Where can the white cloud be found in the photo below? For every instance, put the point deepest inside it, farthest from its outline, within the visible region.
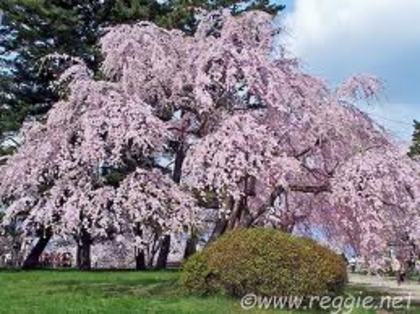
(337, 38)
(362, 28)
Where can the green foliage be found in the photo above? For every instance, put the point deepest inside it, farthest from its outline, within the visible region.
(114, 177)
(6, 151)
(30, 31)
(415, 147)
(264, 262)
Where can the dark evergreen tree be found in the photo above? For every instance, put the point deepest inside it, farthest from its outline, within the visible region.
(30, 31)
(415, 147)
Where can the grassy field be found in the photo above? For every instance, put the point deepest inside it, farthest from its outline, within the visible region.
(57, 292)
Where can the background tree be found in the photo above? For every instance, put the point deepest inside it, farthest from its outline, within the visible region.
(415, 146)
(30, 31)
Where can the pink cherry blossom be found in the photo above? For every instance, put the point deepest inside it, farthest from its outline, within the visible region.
(251, 137)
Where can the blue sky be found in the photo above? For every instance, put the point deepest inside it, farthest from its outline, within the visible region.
(335, 39)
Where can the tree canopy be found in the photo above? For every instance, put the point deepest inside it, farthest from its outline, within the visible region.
(250, 137)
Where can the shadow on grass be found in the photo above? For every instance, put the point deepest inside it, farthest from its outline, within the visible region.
(122, 287)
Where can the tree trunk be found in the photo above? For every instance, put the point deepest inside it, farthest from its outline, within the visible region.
(32, 260)
(179, 160)
(176, 176)
(191, 246)
(222, 223)
(218, 230)
(139, 254)
(235, 215)
(165, 248)
(83, 252)
(140, 259)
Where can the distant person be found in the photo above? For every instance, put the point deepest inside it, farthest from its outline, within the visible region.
(352, 263)
(343, 256)
(398, 270)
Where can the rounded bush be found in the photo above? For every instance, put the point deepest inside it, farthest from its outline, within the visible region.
(264, 262)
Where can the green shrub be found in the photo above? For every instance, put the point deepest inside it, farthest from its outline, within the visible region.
(264, 262)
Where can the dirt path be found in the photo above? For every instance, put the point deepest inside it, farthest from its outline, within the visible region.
(387, 285)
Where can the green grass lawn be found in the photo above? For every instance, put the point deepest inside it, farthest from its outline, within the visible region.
(58, 292)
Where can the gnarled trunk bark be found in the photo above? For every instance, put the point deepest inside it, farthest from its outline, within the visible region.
(32, 260)
(83, 252)
(163, 252)
(218, 230)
